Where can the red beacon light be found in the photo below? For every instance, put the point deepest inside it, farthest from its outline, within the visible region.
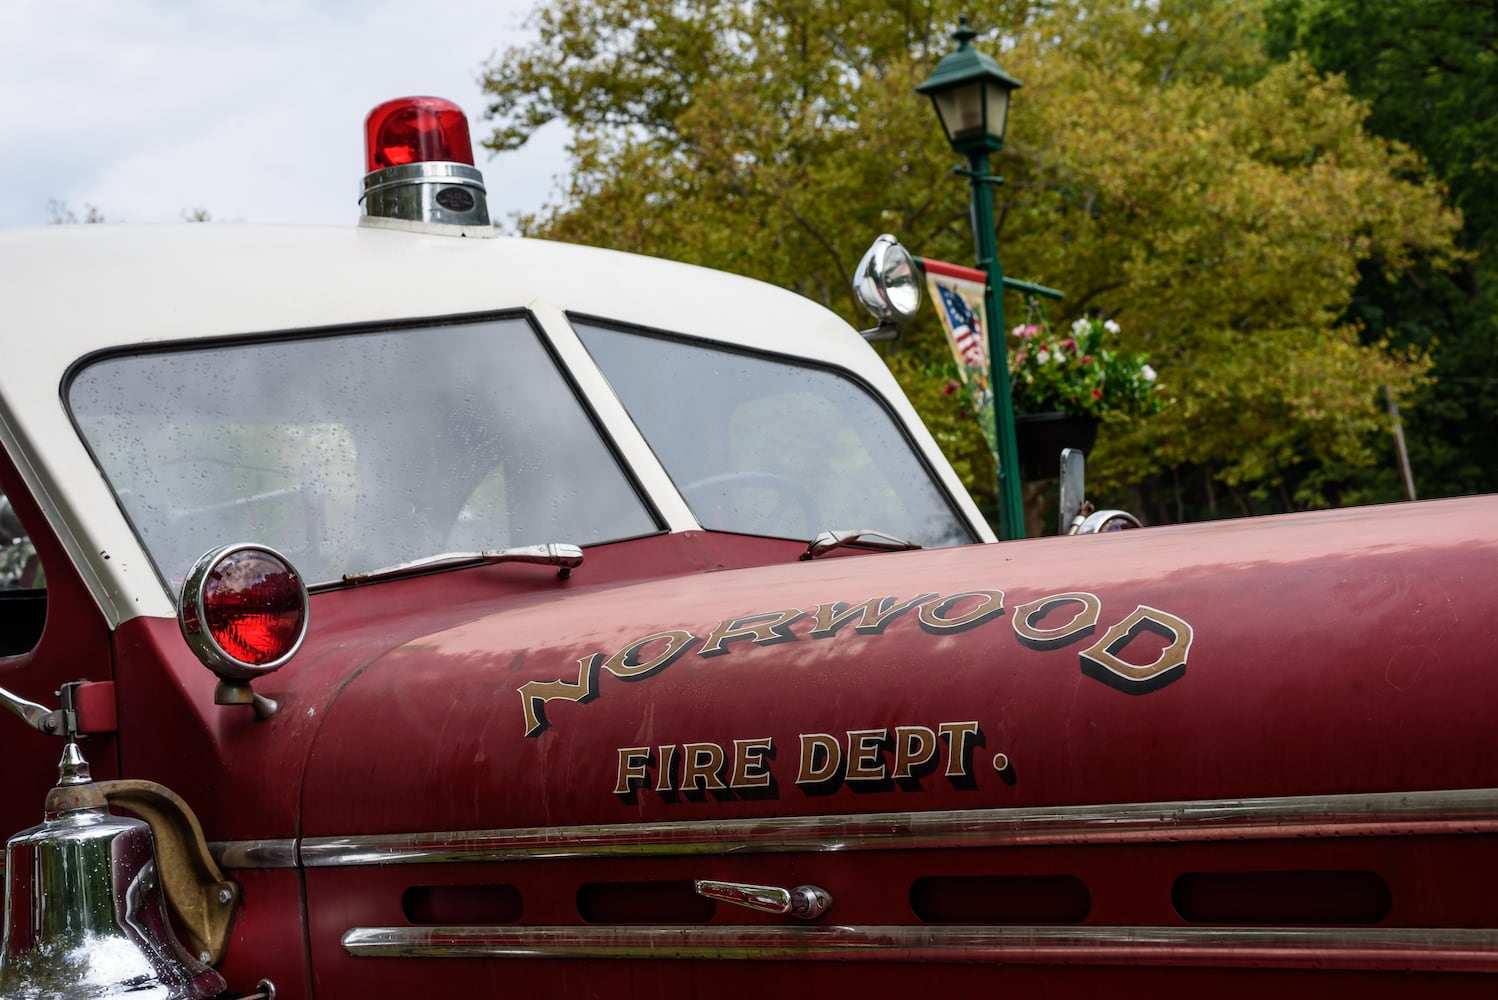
(416, 130)
(419, 159)
(243, 612)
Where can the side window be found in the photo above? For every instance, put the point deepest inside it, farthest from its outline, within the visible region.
(23, 593)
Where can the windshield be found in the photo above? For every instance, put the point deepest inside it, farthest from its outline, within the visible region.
(353, 452)
(765, 446)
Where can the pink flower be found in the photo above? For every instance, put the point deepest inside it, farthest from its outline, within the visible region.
(1087, 359)
(1019, 359)
(952, 386)
(1097, 394)
(1069, 343)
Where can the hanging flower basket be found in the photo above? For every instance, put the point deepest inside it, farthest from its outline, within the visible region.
(1061, 386)
(1041, 436)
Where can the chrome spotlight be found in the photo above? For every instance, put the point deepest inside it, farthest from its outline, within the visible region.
(888, 284)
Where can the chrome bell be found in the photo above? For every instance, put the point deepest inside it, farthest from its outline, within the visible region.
(85, 915)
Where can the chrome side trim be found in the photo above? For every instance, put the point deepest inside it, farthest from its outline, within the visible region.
(1413, 949)
(242, 854)
(1467, 811)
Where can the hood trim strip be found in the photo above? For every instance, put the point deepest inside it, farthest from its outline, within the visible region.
(1402, 949)
(1428, 813)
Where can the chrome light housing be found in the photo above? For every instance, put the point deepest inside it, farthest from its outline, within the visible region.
(888, 284)
(243, 612)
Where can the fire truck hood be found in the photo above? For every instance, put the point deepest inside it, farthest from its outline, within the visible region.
(1305, 655)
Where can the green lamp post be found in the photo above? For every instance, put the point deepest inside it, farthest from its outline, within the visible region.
(971, 95)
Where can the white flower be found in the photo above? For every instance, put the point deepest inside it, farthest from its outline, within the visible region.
(1018, 331)
(1081, 326)
(1147, 372)
(1043, 356)
(1110, 326)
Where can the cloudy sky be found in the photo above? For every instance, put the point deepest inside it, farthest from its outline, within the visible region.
(250, 109)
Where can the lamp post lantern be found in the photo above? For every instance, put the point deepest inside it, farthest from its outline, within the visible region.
(971, 96)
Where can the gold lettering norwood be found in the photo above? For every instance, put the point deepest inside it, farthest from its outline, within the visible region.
(1048, 623)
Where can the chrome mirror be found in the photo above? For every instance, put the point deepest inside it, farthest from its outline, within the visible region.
(1078, 516)
(1073, 490)
(888, 284)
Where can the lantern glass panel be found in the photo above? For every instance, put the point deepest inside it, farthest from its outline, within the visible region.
(998, 109)
(961, 111)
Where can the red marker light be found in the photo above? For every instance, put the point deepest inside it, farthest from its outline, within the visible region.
(253, 607)
(244, 610)
(416, 130)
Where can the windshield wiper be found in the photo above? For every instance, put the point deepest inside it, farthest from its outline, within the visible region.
(565, 557)
(862, 538)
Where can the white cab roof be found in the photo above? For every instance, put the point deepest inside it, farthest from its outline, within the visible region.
(70, 291)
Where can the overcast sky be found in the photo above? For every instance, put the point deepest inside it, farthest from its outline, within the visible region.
(250, 109)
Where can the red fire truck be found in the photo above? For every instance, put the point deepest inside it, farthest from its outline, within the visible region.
(580, 624)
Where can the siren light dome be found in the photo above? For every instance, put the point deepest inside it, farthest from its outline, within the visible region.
(419, 170)
(416, 130)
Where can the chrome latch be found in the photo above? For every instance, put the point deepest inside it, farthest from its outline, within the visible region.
(805, 901)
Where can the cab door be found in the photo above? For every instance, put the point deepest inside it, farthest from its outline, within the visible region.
(51, 633)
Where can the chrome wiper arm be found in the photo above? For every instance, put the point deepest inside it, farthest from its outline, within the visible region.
(561, 555)
(861, 538)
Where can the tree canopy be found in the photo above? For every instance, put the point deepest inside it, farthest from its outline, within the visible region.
(1160, 169)
(1429, 71)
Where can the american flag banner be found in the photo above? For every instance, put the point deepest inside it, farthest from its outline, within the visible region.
(960, 303)
(964, 329)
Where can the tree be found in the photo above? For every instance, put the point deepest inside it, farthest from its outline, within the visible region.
(1160, 170)
(1429, 70)
(62, 215)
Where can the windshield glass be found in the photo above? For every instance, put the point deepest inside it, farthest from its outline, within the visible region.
(354, 452)
(766, 446)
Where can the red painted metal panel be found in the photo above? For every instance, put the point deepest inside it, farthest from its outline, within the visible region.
(1339, 653)
(1326, 656)
(243, 776)
(268, 937)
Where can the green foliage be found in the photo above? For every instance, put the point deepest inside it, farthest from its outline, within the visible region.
(62, 215)
(1429, 70)
(1078, 373)
(1160, 170)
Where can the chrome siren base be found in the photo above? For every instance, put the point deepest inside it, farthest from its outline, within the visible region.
(447, 194)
